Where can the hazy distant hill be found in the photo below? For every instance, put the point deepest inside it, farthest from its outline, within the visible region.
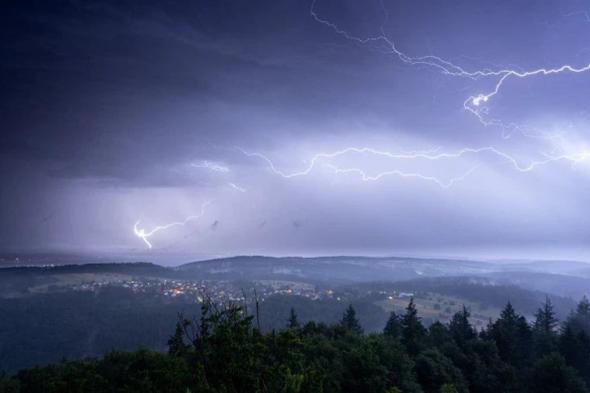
(17, 281)
(563, 278)
(48, 259)
(333, 269)
(559, 284)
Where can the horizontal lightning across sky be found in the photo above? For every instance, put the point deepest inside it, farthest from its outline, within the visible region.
(345, 161)
(325, 158)
(212, 166)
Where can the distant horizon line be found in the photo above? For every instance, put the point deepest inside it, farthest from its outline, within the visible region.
(171, 258)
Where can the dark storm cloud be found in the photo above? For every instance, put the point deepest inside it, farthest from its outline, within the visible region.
(90, 85)
(106, 106)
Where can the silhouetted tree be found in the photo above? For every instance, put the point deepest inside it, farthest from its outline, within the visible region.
(438, 334)
(545, 330)
(580, 319)
(176, 344)
(574, 346)
(460, 328)
(434, 370)
(413, 331)
(512, 335)
(551, 375)
(350, 322)
(293, 322)
(393, 327)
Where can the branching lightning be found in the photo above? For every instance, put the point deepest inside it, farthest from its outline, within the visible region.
(396, 172)
(145, 235)
(326, 157)
(474, 104)
(477, 104)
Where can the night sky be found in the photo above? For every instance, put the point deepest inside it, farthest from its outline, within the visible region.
(206, 128)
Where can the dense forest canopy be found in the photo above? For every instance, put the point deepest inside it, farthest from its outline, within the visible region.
(224, 350)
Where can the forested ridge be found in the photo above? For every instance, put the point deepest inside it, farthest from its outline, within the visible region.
(224, 350)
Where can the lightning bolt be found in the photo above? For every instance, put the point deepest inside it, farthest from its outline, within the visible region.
(474, 104)
(584, 14)
(325, 157)
(144, 235)
(215, 167)
(236, 187)
(365, 177)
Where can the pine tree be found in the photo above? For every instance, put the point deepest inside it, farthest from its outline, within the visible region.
(551, 375)
(460, 328)
(580, 319)
(176, 344)
(584, 306)
(350, 322)
(575, 347)
(393, 327)
(412, 329)
(568, 345)
(545, 320)
(293, 322)
(438, 334)
(512, 335)
(544, 330)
